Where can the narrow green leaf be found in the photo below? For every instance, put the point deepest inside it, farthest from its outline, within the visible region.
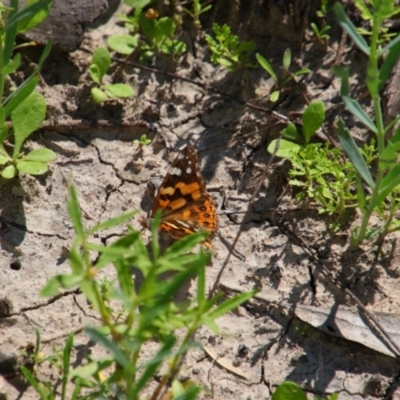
(41, 155)
(112, 222)
(10, 33)
(313, 118)
(74, 211)
(230, 304)
(97, 336)
(389, 61)
(66, 360)
(351, 105)
(267, 66)
(76, 261)
(287, 59)
(27, 118)
(389, 182)
(349, 27)
(120, 90)
(46, 52)
(92, 368)
(354, 154)
(185, 244)
(20, 95)
(51, 288)
(12, 66)
(32, 167)
(34, 383)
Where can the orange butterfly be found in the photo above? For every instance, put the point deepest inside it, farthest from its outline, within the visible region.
(186, 205)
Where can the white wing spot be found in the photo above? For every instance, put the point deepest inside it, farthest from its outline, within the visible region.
(176, 171)
(189, 162)
(189, 170)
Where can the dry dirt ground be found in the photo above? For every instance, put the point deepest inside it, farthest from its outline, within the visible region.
(283, 242)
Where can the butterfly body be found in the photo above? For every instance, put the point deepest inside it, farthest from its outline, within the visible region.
(186, 205)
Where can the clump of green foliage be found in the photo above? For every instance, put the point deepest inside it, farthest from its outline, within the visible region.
(285, 77)
(26, 109)
(227, 50)
(292, 391)
(148, 35)
(139, 316)
(101, 62)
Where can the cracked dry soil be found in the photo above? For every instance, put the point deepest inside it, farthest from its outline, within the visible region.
(230, 126)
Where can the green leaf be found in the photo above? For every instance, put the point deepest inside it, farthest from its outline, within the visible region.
(91, 368)
(231, 304)
(18, 96)
(74, 211)
(98, 337)
(41, 155)
(66, 360)
(44, 395)
(285, 150)
(98, 95)
(112, 222)
(35, 18)
(94, 72)
(351, 105)
(354, 154)
(289, 390)
(287, 59)
(137, 3)
(389, 156)
(101, 58)
(349, 27)
(274, 96)
(389, 61)
(27, 118)
(165, 27)
(119, 90)
(12, 66)
(389, 182)
(4, 159)
(291, 132)
(9, 172)
(60, 281)
(313, 118)
(32, 167)
(123, 44)
(267, 66)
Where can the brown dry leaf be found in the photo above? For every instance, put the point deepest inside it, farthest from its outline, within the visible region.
(348, 324)
(225, 363)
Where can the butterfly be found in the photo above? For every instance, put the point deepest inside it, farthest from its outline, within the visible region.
(186, 205)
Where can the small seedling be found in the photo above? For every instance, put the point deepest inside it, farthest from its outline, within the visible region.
(197, 10)
(292, 391)
(101, 62)
(280, 81)
(148, 35)
(321, 33)
(143, 141)
(227, 50)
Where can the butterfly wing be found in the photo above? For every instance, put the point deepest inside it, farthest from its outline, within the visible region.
(183, 198)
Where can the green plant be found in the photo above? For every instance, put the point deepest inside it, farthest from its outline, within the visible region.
(226, 49)
(313, 118)
(384, 184)
(292, 391)
(26, 109)
(101, 62)
(197, 10)
(368, 15)
(286, 76)
(143, 141)
(145, 315)
(148, 34)
(321, 33)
